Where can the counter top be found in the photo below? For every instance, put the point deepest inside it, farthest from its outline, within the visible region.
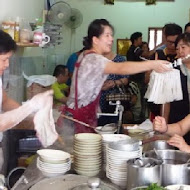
(33, 175)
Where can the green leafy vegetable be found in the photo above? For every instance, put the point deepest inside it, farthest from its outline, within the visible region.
(153, 186)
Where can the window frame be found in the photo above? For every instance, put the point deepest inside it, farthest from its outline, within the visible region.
(155, 34)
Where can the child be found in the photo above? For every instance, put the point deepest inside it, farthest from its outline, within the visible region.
(59, 87)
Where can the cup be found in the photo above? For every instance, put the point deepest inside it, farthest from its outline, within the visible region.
(40, 38)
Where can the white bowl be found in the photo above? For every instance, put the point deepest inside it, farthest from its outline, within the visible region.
(53, 155)
(88, 173)
(88, 137)
(114, 137)
(176, 187)
(106, 130)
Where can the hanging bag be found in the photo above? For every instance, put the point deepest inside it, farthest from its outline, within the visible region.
(119, 94)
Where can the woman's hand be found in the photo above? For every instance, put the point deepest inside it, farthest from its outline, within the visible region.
(160, 66)
(179, 142)
(160, 125)
(108, 84)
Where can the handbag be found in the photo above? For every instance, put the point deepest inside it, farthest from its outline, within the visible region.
(119, 94)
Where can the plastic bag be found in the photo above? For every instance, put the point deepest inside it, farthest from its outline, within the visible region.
(44, 80)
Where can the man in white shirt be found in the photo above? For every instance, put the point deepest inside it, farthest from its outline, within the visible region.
(11, 112)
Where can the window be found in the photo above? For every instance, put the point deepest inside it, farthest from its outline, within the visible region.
(154, 37)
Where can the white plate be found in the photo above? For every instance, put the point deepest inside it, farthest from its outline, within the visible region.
(114, 137)
(91, 168)
(90, 173)
(95, 153)
(89, 137)
(88, 150)
(53, 170)
(50, 154)
(51, 174)
(177, 187)
(105, 130)
(50, 165)
(87, 146)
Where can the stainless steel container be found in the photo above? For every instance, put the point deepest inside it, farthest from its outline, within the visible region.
(158, 145)
(126, 145)
(142, 173)
(175, 169)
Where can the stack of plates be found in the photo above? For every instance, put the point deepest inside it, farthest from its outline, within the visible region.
(87, 154)
(53, 162)
(116, 163)
(108, 138)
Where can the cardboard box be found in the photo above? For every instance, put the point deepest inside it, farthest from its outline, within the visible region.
(35, 89)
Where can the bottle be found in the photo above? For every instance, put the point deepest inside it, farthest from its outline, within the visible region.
(17, 30)
(25, 32)
(5, 26)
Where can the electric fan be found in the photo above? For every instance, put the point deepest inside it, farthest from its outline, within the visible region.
(59, 13)
(75, 19)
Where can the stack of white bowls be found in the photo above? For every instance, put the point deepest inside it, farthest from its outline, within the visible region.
(108, 138)
(53, 162)
(117, 155)
(87, 154)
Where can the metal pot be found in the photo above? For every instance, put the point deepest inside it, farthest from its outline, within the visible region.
(126, 145)
(175, 169)
(149, 171)
(158, 145)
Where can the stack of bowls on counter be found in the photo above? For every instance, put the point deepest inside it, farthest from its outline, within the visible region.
(53, 162)
(87, 154)
(118, 153)
(108, 138)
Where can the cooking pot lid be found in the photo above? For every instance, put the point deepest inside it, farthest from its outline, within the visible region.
(94, 184)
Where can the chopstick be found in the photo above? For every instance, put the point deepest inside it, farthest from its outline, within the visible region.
(77, 121)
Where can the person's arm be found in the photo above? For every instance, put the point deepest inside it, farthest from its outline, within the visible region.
(130, 67)
(58, 94)
(111, 83)
(180, 128)
(11, 118)
(8, 103)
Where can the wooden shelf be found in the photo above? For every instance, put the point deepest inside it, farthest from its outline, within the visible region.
(27, 44)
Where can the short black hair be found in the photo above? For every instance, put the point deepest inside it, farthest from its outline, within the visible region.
(187, 25)
(172, 29)
(135, 36)
(59, 70)
(7, 44)
(185, 37)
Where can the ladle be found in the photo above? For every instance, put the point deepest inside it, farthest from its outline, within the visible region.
(139, 162)
(188, 161)
(157, 154)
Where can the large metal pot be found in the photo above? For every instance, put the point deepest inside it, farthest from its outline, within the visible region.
(175, 169)
(158, 145)
(141, 172)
